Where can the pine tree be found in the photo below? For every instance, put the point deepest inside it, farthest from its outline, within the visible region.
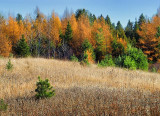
(141, 20)
(22, 48)
(68, 33)
(135, 34)
(44, 89)
(129, 30)
(108, 21)
(19, 18)
(120, 31)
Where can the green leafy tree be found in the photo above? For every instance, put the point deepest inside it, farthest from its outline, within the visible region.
(133, 58)
(44, 89)
(22, 49)
(101, 48)
(129, 62)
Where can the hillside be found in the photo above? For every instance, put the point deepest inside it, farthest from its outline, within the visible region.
(79, 90)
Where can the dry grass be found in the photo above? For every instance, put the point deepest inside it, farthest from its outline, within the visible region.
(79, 90)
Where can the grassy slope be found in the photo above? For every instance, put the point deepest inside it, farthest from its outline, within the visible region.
(79, 90)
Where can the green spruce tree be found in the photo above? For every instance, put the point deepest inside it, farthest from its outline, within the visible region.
(22, 49)
(68, 34)
(120, 31)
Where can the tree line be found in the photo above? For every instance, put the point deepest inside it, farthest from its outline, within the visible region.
(80, 34)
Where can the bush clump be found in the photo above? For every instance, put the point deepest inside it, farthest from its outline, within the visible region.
(133, 59)
(107, 61)
(74, 58)
(44, 89)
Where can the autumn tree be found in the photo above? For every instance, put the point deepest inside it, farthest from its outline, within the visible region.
(12, 31)
(54, 26)
(5, 46)
(149, 40)
(40, 31)
(83, 31)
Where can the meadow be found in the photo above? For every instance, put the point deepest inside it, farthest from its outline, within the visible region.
(80, 90)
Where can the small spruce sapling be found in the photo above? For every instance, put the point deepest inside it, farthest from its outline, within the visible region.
(9, 65)
(44, 89)
(3, 106)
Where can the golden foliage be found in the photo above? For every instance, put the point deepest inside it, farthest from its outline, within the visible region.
(54, 28)
(5, 46)
(148, 41)
(123, 42)
(90, 56)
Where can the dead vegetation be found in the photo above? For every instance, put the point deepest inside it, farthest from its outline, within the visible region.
(80, 90)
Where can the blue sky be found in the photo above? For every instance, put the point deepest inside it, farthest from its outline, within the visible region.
(118, 10)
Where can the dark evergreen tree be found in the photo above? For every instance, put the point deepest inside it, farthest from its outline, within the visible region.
(22, 48)
(141, 20)
(68, 33)
(135, 34)
(19, 18)
(65, 48)
(129, 30)
(108, 21)
(92, 18)
(80, 12)
(120, 31)
(117, 49)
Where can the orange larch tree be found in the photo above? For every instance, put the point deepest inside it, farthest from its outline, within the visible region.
(12, 31)
(5, 45)
(148, 41)
(54, 25)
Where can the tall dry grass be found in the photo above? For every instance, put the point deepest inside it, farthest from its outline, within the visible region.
(79, 90)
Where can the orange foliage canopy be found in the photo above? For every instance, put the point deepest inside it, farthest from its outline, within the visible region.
(148, 41)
